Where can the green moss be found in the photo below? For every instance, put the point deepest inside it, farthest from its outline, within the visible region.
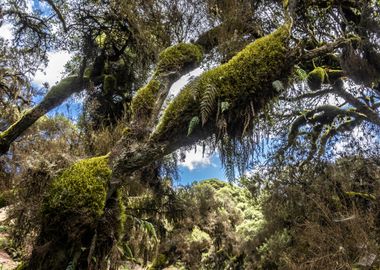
(87, 73)
(199, 236)
(101, 40)
(109, 83)
(316, 78)
(22, 266)
(62, 87)
(6, 198)
(122, 215)
(159, 262)
(80, 189)
(178, 56)
(145, 98)
(246, 78)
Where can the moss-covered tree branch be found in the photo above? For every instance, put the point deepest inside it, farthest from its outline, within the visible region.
(173, 63)
(57, 94)
(246, 81)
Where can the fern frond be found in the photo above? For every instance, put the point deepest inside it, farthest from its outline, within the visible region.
(149, 228)
(194, 122)
(225, 105)
(208, 102)
(301, 74)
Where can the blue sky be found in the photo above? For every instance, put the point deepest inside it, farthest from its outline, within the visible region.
(200, 171)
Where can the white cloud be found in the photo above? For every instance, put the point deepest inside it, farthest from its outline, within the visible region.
(196, 160)
(53, 72)
(178, 85)
(6, 31)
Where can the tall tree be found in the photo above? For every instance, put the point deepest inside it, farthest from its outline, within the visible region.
(82, 213)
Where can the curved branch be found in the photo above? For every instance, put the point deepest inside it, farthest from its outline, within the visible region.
(308, 55)
(57, 94)
(59, 14)
(371, 115)
(240, 83)
(312, 94)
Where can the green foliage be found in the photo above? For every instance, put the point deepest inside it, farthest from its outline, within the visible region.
(65, 85)
(272, 251)
(145, 98)
(109, 83)
(194, 123)
(214, 229)
(101, 40)
(80, 189)
(208, 102)
(178, 56)
(158, 263)
(6, 198)
(199, 236)
(319, 214)
(316, 78)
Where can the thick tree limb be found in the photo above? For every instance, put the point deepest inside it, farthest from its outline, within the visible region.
(53, 98)
(372, 115)
(310, 95)
(240, 83)
(308, 55)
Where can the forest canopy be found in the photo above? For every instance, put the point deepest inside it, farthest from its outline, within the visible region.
(288, 98)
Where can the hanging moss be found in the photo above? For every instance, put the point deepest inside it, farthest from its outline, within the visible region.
(109, 83)
(145, 98)
(80, 190)
(246, 78)
(122, 215)
(87, 73)
(178, 56)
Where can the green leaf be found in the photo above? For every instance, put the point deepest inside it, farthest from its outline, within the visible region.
(208, 102)
(128, 251)
(224, 106)
(194, 122)
(150, 229)
(301, 74)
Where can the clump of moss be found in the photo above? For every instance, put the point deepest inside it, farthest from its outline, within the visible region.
(122, 214)
(159, 262)
(109, 83)
(6, 198)
(80, 189)
(87, 73)
(178, 56)
(316, 78)
(246, 78)
(145, 98)
(58, 90)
